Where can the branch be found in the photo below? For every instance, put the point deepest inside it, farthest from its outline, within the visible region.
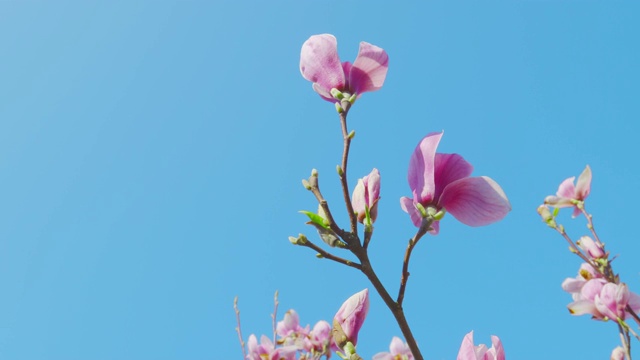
(343, 173)
(424, 227)
(238, 330)
(324, 254)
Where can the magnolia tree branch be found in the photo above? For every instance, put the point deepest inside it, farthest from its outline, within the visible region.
(238, 329)
(274, 315)
(324, 254)
(424, 227)
(343, 168)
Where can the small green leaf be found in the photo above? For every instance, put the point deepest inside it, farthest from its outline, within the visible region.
(315, 218)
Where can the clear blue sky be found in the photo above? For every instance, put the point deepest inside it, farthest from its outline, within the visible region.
(151, 155)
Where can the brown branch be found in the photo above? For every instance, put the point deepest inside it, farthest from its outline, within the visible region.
(330, 256)
(343, 173)
(424, 227)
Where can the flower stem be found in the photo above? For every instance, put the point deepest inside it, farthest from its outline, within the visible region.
(424, 227)
(343, 176)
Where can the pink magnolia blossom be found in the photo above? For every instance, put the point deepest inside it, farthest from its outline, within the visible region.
(266, 350)
(470, 352)
(320, 64)
(568, 194)
(618, 354)
(366, 195)
(290, 331)
(352, 313)
(593, 249)
(600, 299)
(319, 339)
(398, 350)
(442, 181)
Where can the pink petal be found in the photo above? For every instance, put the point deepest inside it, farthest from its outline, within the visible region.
(435, 228)
(582, 307)
(422, 168)
(320, 64)
(358, 201)
(467, 350)
(583, 187)
(497, 345)
(407, 205)
(383, 356)
(369, 70)
(449, 168)
(475, 201)
(567, 189)
(398, 347)
(373, 185)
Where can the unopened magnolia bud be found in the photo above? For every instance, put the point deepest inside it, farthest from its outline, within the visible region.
(351, 134)
(300, 240)
(314, 172)
(337, 94)
(421, 209)
(439, 215)
(306, 184)
(339, 108)
(353, 98)
(339, 170)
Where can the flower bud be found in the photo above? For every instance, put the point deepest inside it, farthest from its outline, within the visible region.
(351, 316)
(592, 248)
(365, 197)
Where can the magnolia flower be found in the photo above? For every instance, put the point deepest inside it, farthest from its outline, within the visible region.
(290, 331)
(441, 181)
(366, 195)
(618, 354)
(601, 299)
(351, 315)
(320, 64)
(398, 350)
(593, 249)
(569, 195)
(319, 338)
(470, 352)
(267, 351)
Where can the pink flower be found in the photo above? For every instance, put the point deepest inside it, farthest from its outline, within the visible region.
(366, 195)
(352, 314)
(569, 195)
(320, 64)
(290, 331)
(398, 350)
(602, 300)
(319, 338)
(267, 351)
(470, 352)
(593, 249)
(442, 181)
(618, 354)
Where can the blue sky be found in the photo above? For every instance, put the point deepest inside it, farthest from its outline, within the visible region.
(151, 155)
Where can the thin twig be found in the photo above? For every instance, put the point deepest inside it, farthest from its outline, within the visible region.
(325, 207)
(633, 314)
(330, 256)
(275, 313)
(345, 159)
(238, 330)
(424, 227)
(590, 225)
(573, 246)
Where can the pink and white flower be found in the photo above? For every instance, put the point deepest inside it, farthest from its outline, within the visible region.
(398, 350)
(442, 181)
(470, 352)
(352, 313)
(366, 195)
(266, 350)
(320, 64)
(569, 195)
